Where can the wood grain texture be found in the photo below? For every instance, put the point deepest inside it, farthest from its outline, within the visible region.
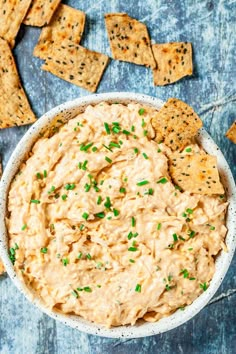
(209, 25)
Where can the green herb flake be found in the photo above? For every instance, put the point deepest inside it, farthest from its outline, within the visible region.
(143, 123)
(45, 173)
(145, 156)
(38, 175)
(145, 132)
(168, 287)
(142, 183)
(191, 233)
(185, 273)
(94, 149)
(188, 150)
(138, 288)
(141, 111)
(99, 200)
(81, 227)
(65, 261)
(85, 216)
(132, 249)
(88, 256)
(131, 260)
(132, 128)
(69, 186)
(112, 144)
(204, 286)
(126, 132)
(163, 180)
(159, 150)
(189, 211)
(175, 237)
(80, 255)
(35, 201)
(107, 128)
(100, 215)
(85, 147)
(24, 227)
(116, 212)
(87, 289)
(136, 150)
(51, 190)
(64, 197)
(192, 278)
(159, 226)
(75, 294)
(212, 228)
(122, 190)
(108, 159)
(133, 222)
(44, 250)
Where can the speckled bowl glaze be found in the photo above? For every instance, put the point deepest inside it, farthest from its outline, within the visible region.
(67, 111)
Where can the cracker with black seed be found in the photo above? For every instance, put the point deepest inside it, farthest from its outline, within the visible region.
(196, 173)
(12, 14)
(41, 12)
(129, 39)
(67, 24)
(174, 61)
(176, 123)
(14, 106)
(231, 133)
(76, 65)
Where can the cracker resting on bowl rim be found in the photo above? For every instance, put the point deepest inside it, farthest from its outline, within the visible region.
(231, 133)
(67, 24)
(129, 39)
(14, 106)
(12, 15)
(77, 65)
(41, 12)
(196, 173)
(2, 269)
(174, 61)
(176, 124)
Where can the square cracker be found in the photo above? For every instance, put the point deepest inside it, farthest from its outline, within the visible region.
(231, 133)
(67, 24)
(129, 39)
(174, 61)
(41, 12)
(12, 14)
(176, 123)
(196, 173)
(77, 65)
(14, 106)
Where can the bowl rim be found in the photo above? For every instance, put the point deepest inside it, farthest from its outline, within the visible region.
(139, 330)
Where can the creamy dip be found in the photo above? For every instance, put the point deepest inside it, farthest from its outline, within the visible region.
(98, 229)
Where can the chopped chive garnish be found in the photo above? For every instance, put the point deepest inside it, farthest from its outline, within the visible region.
(145, 132)
(35, 201)
(63, 197)
(81, 227)
(138, 288)
(142, 183)
(133, 221)
(188, 150)
(175, 237)
(132, 249)
(126, 132)
(136, 150)
(141, 111)
(131, 260)
(203, 286)
(185, 273)
(145, 156)
(132, 128)
(94, 149)
(69, 186)
(83, 166)
(109, 218)
(108, 160)
(107, 147)
(52, 189)
(116, 123)
(116, 129)
(181, 238)
(65, 261)
(143, 123)
(192, 278)
(107, 203)
(99, 200)
(191, 233)
(98, 286)
(150, 191)
(130, 235)
(24, 227)
(168, 287)
(75, 294)
(87, 187)
(159, 226)
(88, 256)
(85, 216)
(45, 173)
(184, 215)
(79, 289)
(189, 211)
(87, 289)
(116, 212)
(112, 144)
(190, 249)
(44, 250)
(122, 190)
(212, 228)
(85, 147)
(159, 150)
(38, 175)
(107, 128)
(100, 215)
(163, 180)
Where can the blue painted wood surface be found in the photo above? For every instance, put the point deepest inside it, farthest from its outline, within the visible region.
(210, 26)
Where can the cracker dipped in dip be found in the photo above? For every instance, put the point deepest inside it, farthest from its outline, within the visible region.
(101, 224)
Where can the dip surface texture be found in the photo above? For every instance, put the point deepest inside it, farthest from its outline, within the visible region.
(98, 229)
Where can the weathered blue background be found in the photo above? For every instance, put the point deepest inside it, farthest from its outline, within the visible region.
(210, 26)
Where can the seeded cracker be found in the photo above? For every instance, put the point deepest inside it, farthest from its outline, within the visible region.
(174, 61)
(67, 24)
(14, 106)
(40, 12)
(231, 133)
(129, 39)
(196, 173)
(77, 65)
(1, 265)
(12, 14)
(176, 123)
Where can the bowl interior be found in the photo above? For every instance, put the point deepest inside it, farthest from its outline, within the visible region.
(65, 112)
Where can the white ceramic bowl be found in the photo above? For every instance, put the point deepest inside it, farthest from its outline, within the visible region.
(69, 110)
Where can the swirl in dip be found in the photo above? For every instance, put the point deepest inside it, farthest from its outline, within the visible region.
(98, 229)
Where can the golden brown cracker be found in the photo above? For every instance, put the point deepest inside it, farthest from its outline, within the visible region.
(12, 13)
(196, 173)
(14, 106)
(231, 133)
(129, 39)
(176, 123)
(41, 12)
(67, 24)
(174, 61)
